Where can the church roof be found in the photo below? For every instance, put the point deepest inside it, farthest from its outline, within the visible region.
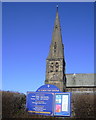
(80, 80)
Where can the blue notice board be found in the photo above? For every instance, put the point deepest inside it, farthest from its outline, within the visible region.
(62, 106)
(40, 103)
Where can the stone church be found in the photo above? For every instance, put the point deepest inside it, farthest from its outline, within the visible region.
(82, 86)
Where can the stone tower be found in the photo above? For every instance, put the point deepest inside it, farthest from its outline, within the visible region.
(55, 63)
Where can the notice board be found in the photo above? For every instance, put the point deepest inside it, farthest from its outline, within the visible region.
(40, 103)
(48, 103)
(62, 104)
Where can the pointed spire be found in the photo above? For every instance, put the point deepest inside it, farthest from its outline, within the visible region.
(57, 22)
(56, 48)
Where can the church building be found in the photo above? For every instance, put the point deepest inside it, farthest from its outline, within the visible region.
(82, 86)
(55, 65)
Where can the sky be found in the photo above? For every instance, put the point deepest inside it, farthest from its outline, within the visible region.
(26, 37)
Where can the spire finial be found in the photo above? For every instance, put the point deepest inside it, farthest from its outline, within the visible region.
(57, 7)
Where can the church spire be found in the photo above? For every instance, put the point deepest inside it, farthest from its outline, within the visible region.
(56, 48)
(57, 21)
(55, 63)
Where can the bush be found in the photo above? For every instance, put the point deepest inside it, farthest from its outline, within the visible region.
(13, 104)
(83, 105)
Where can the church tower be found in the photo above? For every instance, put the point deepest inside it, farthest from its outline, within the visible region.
(55, 63)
